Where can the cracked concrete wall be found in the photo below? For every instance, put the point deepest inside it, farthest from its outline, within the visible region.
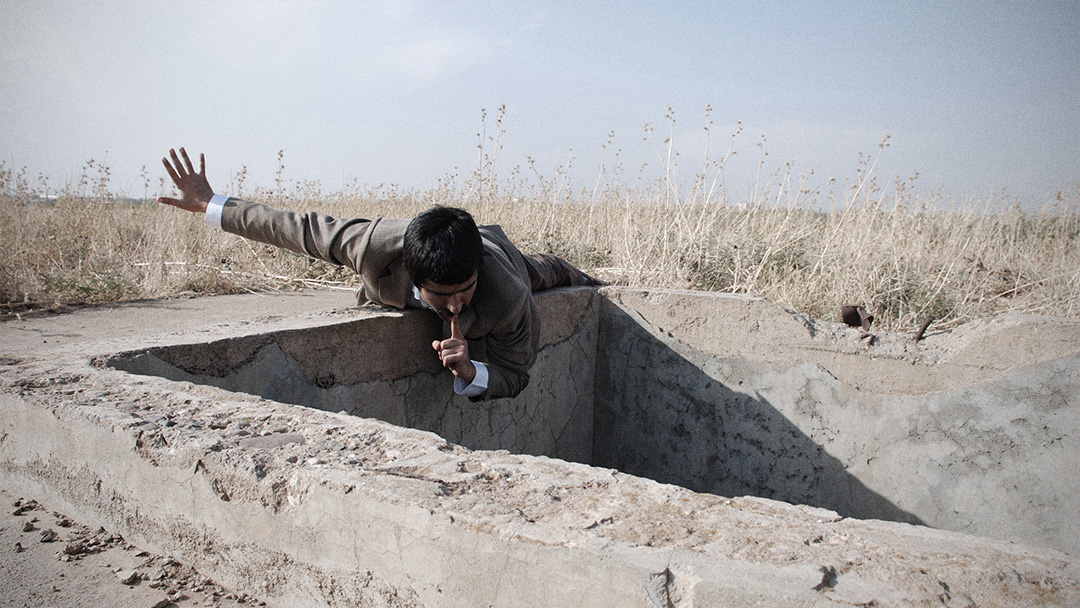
(734, 396)
(402, 519)
(724, 394)
(383, 367)
(302, 507)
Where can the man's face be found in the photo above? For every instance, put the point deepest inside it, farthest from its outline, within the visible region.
(448, 300)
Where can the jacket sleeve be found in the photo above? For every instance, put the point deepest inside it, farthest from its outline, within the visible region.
(320, 236)
(511, 351)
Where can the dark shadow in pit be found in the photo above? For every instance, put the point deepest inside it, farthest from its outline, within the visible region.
(660, 416)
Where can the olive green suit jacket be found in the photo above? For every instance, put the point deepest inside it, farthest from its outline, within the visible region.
(502, 323)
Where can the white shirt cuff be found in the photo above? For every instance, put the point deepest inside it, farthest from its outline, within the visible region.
(213, 210)
(479, 384)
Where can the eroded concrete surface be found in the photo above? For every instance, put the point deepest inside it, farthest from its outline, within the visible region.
(973, 430)
(381, 366)
(303, 507)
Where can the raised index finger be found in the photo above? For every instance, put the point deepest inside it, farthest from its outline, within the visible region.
(455, 328)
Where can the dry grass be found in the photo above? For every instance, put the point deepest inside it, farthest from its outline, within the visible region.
(903, 254)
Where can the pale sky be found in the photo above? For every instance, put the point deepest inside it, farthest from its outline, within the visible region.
(976, 96)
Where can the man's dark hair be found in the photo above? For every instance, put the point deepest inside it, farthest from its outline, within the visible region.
(443, 246)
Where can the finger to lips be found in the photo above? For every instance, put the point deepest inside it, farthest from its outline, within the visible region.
(455, 328)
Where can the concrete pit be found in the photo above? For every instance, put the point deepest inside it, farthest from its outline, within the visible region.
(783, 439)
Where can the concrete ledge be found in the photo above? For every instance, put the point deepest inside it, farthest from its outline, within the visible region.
(303, 507)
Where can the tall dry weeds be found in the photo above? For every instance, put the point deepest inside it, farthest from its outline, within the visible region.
(904, 254)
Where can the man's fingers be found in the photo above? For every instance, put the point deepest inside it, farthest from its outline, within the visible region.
(202, 164)
(455, 328)
(172, 172)
(177, 165)
(187, 162)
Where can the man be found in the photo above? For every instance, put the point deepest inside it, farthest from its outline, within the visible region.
(473, 278)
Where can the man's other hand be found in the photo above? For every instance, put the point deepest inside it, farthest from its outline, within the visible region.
(454, 352)
(195, 190)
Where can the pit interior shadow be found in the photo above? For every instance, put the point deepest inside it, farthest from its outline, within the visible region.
(659, 414)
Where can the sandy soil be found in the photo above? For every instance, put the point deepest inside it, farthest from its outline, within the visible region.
(48, 560)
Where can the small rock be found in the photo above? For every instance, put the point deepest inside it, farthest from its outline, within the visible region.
(18, 548)
(64, 522)
(76, 548)
(28, 527)
(128, 577)
(162, 603)
(49, 536)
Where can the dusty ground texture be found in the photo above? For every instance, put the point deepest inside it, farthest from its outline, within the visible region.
(49, 560)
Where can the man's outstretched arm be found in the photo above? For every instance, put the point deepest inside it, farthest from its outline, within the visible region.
(195, 190)
(316, 235)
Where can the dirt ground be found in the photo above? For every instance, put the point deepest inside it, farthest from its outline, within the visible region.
(48, 560)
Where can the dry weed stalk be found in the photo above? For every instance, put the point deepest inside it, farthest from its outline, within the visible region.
(903, 254)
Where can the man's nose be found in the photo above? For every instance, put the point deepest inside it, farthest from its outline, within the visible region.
(454, 306)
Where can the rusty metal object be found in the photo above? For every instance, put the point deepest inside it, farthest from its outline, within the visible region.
(918, 335)
(856, 316)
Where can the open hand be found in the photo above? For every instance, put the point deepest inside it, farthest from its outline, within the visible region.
(454, 352)
(195, 190)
